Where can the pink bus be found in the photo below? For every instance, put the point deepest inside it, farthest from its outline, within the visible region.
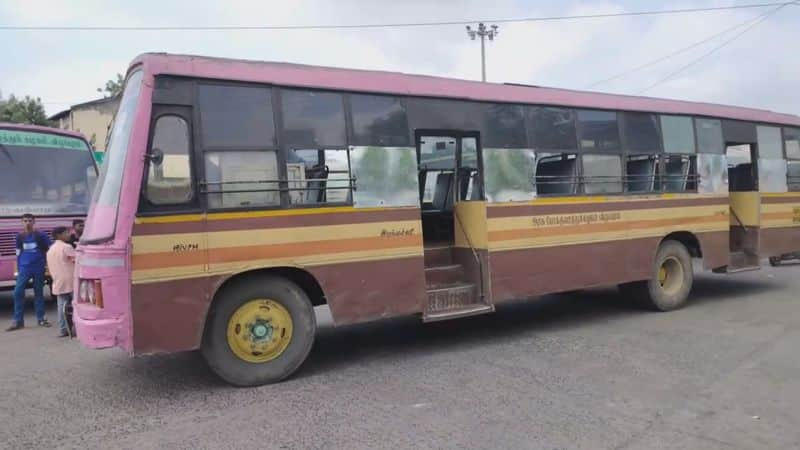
(238, 195)
(47, 172)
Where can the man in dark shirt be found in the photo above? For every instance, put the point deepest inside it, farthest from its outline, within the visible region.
(32, 248)
(77, 232)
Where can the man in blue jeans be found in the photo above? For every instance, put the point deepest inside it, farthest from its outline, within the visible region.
(32, 248)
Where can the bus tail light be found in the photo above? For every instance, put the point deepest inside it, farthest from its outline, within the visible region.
(91, 291)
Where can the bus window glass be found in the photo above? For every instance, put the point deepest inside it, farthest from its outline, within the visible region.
(169, 180)
(509, 174)
(242, 179)
(771, 175)
(793, 176)
(641, 172)
(678, 173)
(678, 133)
(378, 120)
(641, 132)
(385, 176)
(769, 142)
(556, 174)
(552, 128)
(598, 130)
(505, 126)
(791, 139)
(712, 173)
(313, 119)
(236, 117)
(709, 136)
(602, 174)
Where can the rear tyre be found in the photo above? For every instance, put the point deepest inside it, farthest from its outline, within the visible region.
(670, 282)
(774, 261)
(259, 331)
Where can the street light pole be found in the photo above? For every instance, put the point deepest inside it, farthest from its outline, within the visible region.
(483, 33)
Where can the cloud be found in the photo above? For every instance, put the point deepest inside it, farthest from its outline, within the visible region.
(760, 69)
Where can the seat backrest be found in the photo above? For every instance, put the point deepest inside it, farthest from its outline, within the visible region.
(442, 196)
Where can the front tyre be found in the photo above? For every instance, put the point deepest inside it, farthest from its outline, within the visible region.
(671, 280)
(259, 331)
(774, 261)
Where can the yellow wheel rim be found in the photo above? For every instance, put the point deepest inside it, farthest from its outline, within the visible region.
(259, 330)
(670, 275)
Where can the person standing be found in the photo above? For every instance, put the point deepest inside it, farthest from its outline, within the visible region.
(77, 232)
(32, 246)
(61, 263)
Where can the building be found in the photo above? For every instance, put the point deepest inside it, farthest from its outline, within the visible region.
(92, 119)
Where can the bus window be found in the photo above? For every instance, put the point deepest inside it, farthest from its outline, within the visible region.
(791, 140)
(602, 174)
(509, 174)
(239, 179)
(505, 126)
(169, 179)
(387, 176)
(640, 173)
(552, 128)
(313, 119)
(378, 120)
(678, 173)
(709, 136)
(641, 132)
(712, 173)
(771, 165)
(556, 174)
(598, 130)
(678, 133)
(769, 142)
(679, 169)
(237, 117)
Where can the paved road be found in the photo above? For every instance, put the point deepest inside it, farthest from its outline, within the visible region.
(579, 371)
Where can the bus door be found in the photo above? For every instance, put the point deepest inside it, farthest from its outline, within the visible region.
(745, 207)
(454, 224)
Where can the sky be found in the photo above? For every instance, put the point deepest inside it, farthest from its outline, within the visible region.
(760, 69)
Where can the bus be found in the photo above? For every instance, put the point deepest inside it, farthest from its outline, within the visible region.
(238, 195)
(47, 172)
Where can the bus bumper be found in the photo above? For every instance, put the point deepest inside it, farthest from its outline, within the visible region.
(96, 329)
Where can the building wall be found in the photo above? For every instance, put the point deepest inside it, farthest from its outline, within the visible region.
(91, 120)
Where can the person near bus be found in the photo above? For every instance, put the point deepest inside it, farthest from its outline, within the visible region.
(77, 232)
(32, 246)
(61, 263)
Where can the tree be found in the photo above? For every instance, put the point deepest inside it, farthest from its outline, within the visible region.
(27, 110)
(113, 87)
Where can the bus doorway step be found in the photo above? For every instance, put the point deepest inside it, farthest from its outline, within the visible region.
(452, 302)
(741, 262)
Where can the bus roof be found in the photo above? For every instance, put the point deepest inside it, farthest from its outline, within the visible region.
(370, 81)
(41, 129)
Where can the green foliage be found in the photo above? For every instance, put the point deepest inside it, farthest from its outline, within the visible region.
(113, 87)
(26, 110)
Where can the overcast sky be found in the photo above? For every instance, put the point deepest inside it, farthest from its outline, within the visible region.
(759, 69)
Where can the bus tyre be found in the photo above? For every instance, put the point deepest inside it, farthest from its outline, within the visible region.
(259, 332)
(669, 286)
(774, 261)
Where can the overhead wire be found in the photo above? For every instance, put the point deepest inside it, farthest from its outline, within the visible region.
(691, 63)
(672, 54)
(374, 25)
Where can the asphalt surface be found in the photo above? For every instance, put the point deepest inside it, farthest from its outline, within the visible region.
(585, 370)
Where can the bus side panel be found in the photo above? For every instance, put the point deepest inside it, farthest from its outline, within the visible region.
(369, 290)
(556, 245)
(169, 316)
(780, 224)
(525, 273)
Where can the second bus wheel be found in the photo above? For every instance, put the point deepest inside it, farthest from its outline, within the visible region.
(259, 331)
(671, 281)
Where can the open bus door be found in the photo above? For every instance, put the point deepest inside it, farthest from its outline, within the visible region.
(745, 207)
(454, 224)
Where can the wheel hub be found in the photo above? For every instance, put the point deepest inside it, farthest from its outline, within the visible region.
(259, 330)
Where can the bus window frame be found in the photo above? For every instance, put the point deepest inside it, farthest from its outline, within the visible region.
(196, 203)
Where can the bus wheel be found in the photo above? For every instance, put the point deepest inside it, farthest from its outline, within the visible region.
(669, 287)
(259, 332)
(774, 261)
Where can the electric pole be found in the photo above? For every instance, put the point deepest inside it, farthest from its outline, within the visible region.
(483, 33)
